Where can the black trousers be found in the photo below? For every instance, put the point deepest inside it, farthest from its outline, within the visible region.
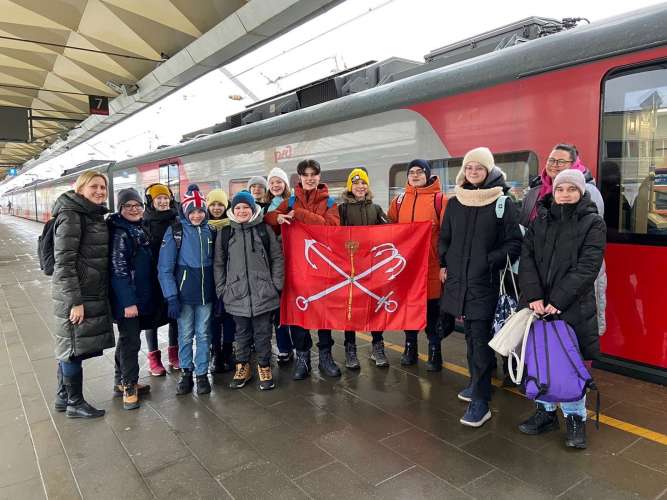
(432, 317)
(302, 341)
(258, 329)
(481, 358)
(151, 336)
(351, 337)
(127, 351)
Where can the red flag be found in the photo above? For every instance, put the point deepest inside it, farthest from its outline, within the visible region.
(362, 278)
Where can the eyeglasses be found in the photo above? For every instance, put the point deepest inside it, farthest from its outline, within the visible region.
(417, 171)
(561, 163)
(132, 206)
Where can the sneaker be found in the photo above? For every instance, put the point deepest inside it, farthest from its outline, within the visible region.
(266, 382)
(203, 385)
(285, 357)
(130, 397)
(466, 394)
(477, 414)
(378, 355)
(410, 354)
(541, 421)
(185, 384)
(242, 376)
(351, 359)
(576, 432)
(142, 390)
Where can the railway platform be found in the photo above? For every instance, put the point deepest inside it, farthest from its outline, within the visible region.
(375, 433)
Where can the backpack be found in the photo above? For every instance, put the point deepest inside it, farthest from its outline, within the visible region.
(555, 370)
(177, 233)
(46, 244)
(331, 201)
(226, 234)
(437, 202)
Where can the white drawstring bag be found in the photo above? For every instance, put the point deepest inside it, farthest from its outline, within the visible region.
(510, 337)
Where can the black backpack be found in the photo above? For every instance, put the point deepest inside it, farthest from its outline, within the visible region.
(226, 233)
(46, 244)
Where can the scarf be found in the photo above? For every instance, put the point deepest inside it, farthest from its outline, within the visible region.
(477, 197)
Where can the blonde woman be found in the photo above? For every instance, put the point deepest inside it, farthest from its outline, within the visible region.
(80, 284)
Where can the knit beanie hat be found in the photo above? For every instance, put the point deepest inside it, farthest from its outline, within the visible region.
(281, 174)
(243, 197)
(193, 200)
(258, 179)
(128, 194)
(571, 176)
(155, 190)
(357, 174)
(481, 155)
(217, 195)
(423, 164)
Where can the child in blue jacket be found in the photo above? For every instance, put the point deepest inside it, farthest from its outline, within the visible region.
(185, 271)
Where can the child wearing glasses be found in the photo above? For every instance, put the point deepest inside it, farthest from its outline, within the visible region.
(133, 297)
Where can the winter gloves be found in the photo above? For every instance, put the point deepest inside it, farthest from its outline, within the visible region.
(173, 308)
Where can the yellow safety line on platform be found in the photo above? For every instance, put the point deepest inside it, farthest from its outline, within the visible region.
(605, 419)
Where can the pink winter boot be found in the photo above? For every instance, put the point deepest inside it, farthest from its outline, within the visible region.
(155, 367)
(173, 358)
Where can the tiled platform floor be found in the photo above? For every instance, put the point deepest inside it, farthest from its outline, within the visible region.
(390, 433)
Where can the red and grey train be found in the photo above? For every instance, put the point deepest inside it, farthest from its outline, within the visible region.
(602, 87)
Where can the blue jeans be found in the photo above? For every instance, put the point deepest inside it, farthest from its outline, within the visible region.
(572, 408)
(193, 324)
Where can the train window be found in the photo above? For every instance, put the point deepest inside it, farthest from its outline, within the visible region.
(236, 185)
(169, 176)
(519, 167)
(633, 153)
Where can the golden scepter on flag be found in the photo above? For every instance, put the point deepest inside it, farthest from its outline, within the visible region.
(352, 247)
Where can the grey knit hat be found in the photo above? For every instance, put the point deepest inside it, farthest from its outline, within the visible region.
(571, 176)
(128, 194)
(258, 179)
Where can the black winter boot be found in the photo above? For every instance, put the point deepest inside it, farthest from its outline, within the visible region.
(203, 385)
(410, 354)
(351, 359)
(77, 407)
(327, 365)
(576, 432)
(60, 403)
(434, 363)
(541, 421)
(301, 365)
(378, 355)
(216, 361)
(185, 384)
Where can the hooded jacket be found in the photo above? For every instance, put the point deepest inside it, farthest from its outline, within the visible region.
(188, 272)
(132, 268)
(310, 207)
(560, 260)
(474, 245)
(360, 213)
(80, 276)
(247, 279)
(418, 205)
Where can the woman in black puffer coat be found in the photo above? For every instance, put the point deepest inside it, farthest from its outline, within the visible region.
(161, 212)
(475, 241)
(560, 260)
(80, 288)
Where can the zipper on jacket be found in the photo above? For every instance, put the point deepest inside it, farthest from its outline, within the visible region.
(414, 205)
(201, 263)
(185, 273)
(245, 258)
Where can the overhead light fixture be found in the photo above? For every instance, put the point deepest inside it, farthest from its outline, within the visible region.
(122, 88)
(236, 97)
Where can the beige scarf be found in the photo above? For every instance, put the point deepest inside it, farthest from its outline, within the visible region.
(478, 197)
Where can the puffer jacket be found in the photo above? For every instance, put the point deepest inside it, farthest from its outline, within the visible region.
(418, 205)
(560, 260)
(360, 213)
(188, 272)
(132, 268)
(80, 276)
(310, 207)
(247, 279)
(474, 245)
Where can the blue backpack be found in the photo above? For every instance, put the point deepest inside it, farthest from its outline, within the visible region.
(331, 201)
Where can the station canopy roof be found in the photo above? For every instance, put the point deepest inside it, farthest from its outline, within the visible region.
(55, 54)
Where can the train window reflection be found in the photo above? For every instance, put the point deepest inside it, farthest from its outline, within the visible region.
(633, 168)
(519, 167)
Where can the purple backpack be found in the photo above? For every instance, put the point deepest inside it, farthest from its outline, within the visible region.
(555, 370)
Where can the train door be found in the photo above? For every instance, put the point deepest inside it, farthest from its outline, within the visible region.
(633, 182)
(169, 176)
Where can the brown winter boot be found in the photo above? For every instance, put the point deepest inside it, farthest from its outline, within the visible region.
(242, 376)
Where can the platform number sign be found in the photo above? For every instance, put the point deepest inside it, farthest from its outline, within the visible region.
(99, 104)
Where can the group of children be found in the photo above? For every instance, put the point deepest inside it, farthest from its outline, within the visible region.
(217, 276)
